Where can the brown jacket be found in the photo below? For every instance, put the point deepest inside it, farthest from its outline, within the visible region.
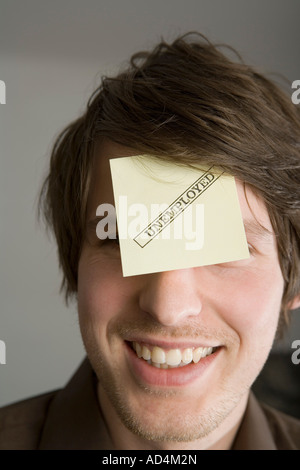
(71, 418)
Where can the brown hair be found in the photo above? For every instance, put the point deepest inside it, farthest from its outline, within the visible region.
(185, 101)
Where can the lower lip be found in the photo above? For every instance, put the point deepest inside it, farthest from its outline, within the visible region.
(174, 377)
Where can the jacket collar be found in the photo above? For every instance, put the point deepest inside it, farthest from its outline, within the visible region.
(74, 419)
(254, 432)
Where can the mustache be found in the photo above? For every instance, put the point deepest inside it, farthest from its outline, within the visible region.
(127, 328)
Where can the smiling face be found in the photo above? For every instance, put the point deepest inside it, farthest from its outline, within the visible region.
(211, 327)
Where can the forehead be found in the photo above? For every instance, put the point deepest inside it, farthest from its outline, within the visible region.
(253, 209)
(101, 190)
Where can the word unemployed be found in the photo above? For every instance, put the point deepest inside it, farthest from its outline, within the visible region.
(177, 207)
(190, 226)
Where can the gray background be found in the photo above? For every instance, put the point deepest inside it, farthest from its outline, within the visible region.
(51, 57)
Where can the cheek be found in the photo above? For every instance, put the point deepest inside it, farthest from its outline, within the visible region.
(102, 293)
(95, 293)
(253, 305)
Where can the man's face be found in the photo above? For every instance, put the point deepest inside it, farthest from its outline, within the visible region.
(231, 307)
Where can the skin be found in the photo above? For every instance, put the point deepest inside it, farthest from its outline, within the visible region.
(233, 305)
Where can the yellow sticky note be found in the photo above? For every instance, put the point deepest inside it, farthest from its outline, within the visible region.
(171, 216)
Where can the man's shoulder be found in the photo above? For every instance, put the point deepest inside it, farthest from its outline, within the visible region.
(21, 423)
(284, 428)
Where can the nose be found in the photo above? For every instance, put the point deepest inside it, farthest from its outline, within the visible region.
(171, 296)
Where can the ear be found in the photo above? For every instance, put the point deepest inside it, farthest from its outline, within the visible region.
(295, 303)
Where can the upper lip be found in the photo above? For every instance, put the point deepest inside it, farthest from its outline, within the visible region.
(173, 343)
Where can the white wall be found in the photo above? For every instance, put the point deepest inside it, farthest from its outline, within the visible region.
(51, 54)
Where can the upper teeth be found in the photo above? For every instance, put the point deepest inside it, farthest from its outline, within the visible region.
(173, 357)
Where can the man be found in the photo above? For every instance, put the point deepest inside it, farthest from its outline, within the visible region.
(185, 103)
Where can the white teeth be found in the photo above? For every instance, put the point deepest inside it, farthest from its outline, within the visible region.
(138, 349)
(155, 364)
(146, 353)
(197, 354)
(164, 366)
(158, 355)
(187, 355)
(171, 358)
